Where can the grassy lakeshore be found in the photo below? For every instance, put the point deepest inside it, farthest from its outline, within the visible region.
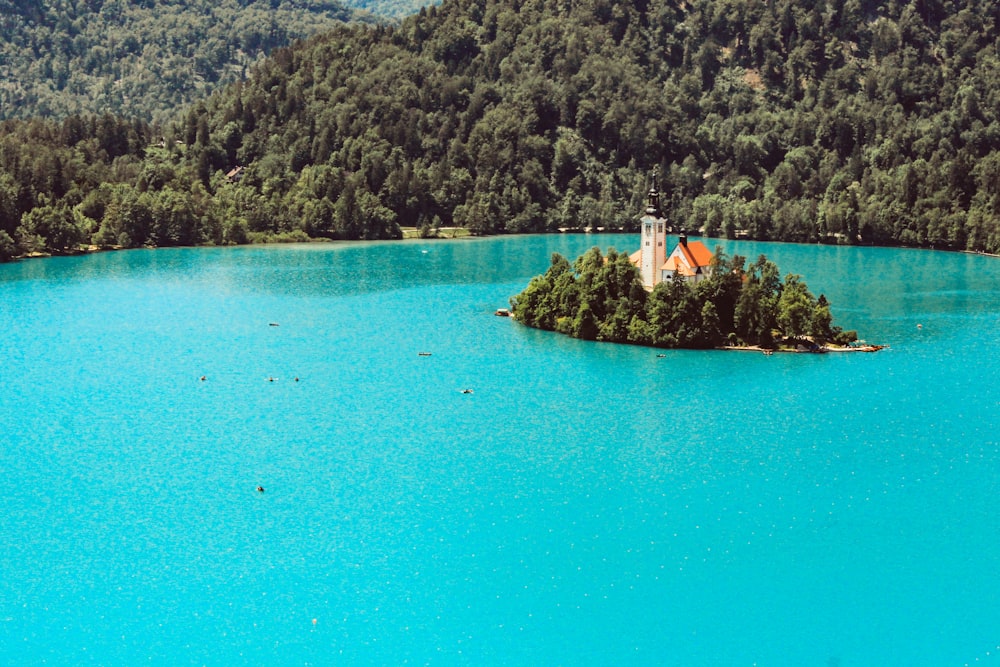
(439, 233)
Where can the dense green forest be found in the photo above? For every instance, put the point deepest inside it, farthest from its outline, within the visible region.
(602, 298)
(141, 58)
(391, 8)
(846, 121)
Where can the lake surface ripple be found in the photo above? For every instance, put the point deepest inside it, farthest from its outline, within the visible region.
(585, 504)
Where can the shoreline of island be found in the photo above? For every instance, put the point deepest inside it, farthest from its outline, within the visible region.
(821, 349)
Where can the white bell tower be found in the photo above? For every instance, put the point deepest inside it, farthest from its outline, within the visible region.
(653, 238)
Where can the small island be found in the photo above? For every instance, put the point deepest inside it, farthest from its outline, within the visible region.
(689, 298)
(730, 305)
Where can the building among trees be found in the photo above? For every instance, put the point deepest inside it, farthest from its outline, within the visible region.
(690, 261)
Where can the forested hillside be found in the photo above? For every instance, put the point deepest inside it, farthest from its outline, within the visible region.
(142, 58)
(842, 122)
(391, 8)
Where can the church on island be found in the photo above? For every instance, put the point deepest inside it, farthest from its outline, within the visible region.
(689, 260)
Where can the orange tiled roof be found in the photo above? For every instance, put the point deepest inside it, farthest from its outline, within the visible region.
(672, 265)
(696, 254)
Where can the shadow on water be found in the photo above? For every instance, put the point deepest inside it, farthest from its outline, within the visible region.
(321, 269)
(862, 283)
(586, 503)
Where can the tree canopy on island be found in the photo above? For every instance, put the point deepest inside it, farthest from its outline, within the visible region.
(849, 121)
(602, 298)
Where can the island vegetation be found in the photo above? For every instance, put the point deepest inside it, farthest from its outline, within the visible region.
(601, 298)
(848, 121)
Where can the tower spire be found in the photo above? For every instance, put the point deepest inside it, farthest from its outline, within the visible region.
(653, 196)
(653, 234)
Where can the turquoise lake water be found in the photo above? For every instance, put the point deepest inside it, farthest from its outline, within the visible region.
(586, 504)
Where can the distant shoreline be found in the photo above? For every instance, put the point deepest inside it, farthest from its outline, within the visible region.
(446, 233)
(409, 234)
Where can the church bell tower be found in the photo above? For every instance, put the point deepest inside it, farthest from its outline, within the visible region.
(653, 230)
